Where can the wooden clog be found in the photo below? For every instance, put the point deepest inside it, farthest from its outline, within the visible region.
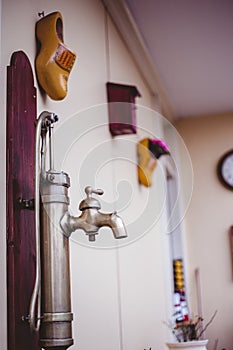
(54, 60)
(146, 163)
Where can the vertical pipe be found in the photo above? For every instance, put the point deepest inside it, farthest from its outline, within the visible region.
(51, 293)
(51, 152)
(40, 140)
(55, 331)
(35, 298)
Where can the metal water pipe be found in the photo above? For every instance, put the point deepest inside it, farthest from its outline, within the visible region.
(50, 306)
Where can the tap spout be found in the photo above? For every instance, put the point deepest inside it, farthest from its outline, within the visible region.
(91, 220)
(113, 221)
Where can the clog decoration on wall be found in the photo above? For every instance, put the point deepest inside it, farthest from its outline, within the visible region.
(149, 150)
(54, 60)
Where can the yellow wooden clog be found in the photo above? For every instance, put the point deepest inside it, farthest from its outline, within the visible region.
(54, 60)
(146, 163)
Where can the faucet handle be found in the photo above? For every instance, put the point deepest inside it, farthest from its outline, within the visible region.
(90, 202)
(89, 190)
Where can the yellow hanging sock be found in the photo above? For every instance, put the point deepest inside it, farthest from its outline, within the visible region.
(146, 163)
(54, 60)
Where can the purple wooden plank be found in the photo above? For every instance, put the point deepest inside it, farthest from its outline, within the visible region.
(21, 116)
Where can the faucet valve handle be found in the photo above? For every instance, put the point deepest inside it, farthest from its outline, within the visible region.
(89, 190)
(90, 202)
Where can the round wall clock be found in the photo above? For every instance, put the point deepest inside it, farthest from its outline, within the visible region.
(225, 169)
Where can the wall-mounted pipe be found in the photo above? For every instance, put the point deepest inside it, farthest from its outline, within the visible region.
(55, 330)
(51, 295)
(51, 291)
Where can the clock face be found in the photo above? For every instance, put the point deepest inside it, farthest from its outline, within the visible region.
(225, 169)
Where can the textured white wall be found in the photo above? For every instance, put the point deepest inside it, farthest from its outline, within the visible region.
(208, 220)
(118, 295)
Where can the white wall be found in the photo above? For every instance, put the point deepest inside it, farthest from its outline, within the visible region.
(208, 220)
(118, 294)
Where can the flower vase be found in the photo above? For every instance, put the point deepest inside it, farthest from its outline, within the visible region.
(189, 345)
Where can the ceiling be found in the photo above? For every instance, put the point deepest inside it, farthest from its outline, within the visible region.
(191, 46)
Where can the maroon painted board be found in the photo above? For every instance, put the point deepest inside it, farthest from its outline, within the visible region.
(21, 116)
(121, 108)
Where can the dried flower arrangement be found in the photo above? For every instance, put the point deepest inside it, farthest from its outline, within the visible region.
(189, 330)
